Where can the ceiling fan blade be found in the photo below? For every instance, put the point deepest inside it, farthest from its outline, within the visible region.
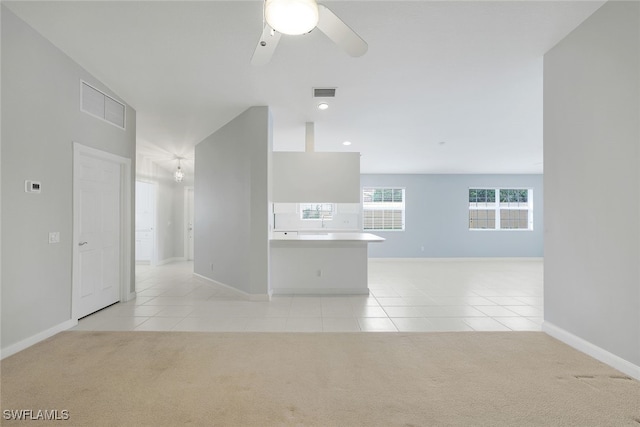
(340, 33)
(266, 46)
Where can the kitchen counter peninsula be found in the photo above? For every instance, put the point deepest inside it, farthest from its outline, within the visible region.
(316, 263)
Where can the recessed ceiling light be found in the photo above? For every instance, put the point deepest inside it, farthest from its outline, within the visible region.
(346, 143)
(323, 106)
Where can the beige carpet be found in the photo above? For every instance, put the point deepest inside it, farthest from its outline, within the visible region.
(273, 379)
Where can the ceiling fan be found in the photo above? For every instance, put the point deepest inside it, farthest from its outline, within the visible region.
(294, 17)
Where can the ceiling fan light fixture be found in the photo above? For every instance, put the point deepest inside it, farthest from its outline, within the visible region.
(292, 17)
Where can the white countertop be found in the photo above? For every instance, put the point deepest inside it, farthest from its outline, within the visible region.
(330, 237)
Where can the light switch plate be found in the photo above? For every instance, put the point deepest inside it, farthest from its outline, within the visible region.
(54, 237)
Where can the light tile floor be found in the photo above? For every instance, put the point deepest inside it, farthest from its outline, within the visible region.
(405, 295)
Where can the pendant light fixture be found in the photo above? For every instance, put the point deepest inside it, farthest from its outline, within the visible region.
(178, 175)
(291, 17)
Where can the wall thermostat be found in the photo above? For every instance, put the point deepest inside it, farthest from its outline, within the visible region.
(32, 186)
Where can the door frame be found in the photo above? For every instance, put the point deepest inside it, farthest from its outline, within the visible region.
(186, 251)
(126, 226)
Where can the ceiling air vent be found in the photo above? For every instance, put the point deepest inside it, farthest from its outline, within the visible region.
(324, 92)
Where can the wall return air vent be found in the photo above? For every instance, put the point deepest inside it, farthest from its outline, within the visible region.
(101, 105)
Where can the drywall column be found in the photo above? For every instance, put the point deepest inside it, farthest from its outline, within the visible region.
(310, 137)
(232, 199)
(592, 186)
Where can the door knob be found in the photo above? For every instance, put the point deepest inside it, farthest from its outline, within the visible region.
(82, 243)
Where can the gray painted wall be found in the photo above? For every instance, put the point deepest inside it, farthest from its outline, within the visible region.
(232, 201)
(41, 118)
(179, 226)
(591, 146)
(437, 217)
(170, 217)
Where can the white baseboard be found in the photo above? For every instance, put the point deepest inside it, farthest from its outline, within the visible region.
(455, 259)
(592, 350)
(325, 291)
(170, 260)
(34, 339)
(132, 295)
(238, 292)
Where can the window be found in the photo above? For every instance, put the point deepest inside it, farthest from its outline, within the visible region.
(323, 211)
(512, 209)
(383, 208)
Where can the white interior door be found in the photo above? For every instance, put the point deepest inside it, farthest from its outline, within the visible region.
(98, 218)
(145, 221)
(190, 231)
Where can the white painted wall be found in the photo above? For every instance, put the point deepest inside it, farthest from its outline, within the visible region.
(316, 177)
(592, 183)
(41, 119)
(232, 203)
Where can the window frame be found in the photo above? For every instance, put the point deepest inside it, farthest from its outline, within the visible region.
(497, 206)
(380, 207)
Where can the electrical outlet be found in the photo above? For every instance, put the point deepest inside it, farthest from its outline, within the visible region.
(211, 266)
(54, 237)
